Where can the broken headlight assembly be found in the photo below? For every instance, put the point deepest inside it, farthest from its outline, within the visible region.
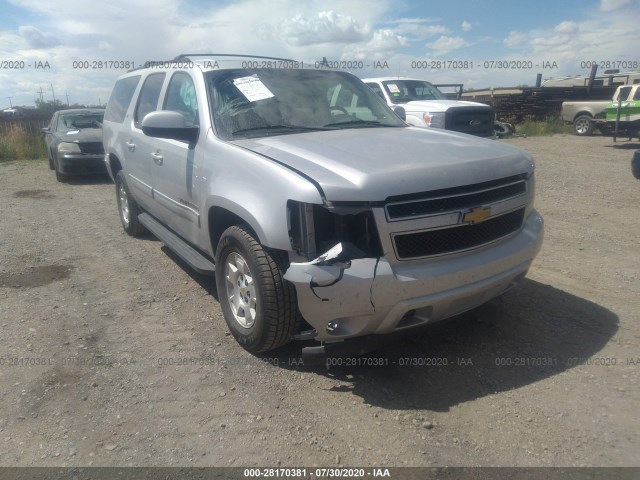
(315, 229)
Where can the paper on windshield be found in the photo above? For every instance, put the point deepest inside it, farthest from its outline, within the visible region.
(393, 88)
(252, 88)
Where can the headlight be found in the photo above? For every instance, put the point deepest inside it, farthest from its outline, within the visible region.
(67, 147)
(314, 229)
(435, 120)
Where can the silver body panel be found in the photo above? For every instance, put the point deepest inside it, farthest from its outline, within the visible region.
(256, 179)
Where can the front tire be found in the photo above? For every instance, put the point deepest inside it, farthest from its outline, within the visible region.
(60, 177)
(583, 125)
(128, 208)
(258, 304)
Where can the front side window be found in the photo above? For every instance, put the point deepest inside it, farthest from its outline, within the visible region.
(376, 89)
(149, 95)
(253, 103)
(403, 91)
(181, 97)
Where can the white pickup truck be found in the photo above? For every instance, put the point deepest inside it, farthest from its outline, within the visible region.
(587, 115)
(426, 106)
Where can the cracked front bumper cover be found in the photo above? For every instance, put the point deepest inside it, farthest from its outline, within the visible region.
(343, 298)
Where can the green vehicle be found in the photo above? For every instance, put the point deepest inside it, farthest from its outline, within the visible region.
(625, 111)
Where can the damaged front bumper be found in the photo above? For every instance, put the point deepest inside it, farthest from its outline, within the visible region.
(342, 297)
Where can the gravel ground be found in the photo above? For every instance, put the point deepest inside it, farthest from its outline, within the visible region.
(112, 352)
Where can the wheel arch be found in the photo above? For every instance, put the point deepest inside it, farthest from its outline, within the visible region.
(114, 164)
(583, 112)
(220, 218)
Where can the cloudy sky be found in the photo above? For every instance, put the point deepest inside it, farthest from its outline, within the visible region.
(551, 37)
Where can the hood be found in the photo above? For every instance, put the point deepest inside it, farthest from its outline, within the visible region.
(84, 135)
(372, 164)
(438, 105)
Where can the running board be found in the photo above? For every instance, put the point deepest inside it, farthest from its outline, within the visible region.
(186, 252)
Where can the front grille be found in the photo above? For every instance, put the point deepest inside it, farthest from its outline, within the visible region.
(452, 239)
(443, 204)
(471, 120)
(94, 148)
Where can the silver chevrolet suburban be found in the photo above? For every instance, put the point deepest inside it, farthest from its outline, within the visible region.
(320, 212)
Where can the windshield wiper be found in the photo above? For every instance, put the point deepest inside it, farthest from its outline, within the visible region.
(364, 123)
(298, 128)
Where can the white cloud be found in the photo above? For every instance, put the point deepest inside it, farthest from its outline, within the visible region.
(382, 44)
(610, 5)
(446, 44)
(37, 39)
(419, 28)
(516, 39)
(325, 27)
(139, 30)
(566, 27)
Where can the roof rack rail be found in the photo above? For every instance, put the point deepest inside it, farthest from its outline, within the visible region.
(188, 55)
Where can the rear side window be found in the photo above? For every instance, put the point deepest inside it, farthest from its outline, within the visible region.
(120, 99)
(149, 95)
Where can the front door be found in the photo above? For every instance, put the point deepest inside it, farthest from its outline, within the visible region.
(175, 163)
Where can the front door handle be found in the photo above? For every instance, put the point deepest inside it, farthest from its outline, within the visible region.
(157, 158)
(131, 146)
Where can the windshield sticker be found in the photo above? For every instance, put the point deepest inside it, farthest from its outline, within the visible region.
(393, 88)
(252, 88)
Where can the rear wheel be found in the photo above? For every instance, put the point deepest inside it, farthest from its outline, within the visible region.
(128, 208)
(258, 304)
(583, 126)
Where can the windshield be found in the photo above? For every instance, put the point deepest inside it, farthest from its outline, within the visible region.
(403, 91)
(256, 103)
(77, 121)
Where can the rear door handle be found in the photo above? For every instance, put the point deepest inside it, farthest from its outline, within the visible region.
(131, 146)
(157, 158)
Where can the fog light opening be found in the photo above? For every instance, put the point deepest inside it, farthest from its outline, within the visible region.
(411, 318)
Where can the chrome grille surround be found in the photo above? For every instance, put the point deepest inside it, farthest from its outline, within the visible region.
(433, 223)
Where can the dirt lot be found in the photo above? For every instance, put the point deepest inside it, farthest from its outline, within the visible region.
(114, 353)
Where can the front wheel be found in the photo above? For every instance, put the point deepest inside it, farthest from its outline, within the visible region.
(258, 304)
(60, 177)
(583, 126)
(128, 208)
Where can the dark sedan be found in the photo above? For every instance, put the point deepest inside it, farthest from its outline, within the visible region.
(74, 143)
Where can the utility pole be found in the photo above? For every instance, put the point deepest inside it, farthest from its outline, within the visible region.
(67, 98)
(52, 93)
(41, 94)
(10, 104)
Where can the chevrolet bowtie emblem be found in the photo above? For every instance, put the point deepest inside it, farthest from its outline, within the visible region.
(477, 215)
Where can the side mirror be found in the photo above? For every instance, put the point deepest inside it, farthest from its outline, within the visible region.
(399, 111)
(169, 124)
(45, 130)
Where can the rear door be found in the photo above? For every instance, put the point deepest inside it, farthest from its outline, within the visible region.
(139, 147)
